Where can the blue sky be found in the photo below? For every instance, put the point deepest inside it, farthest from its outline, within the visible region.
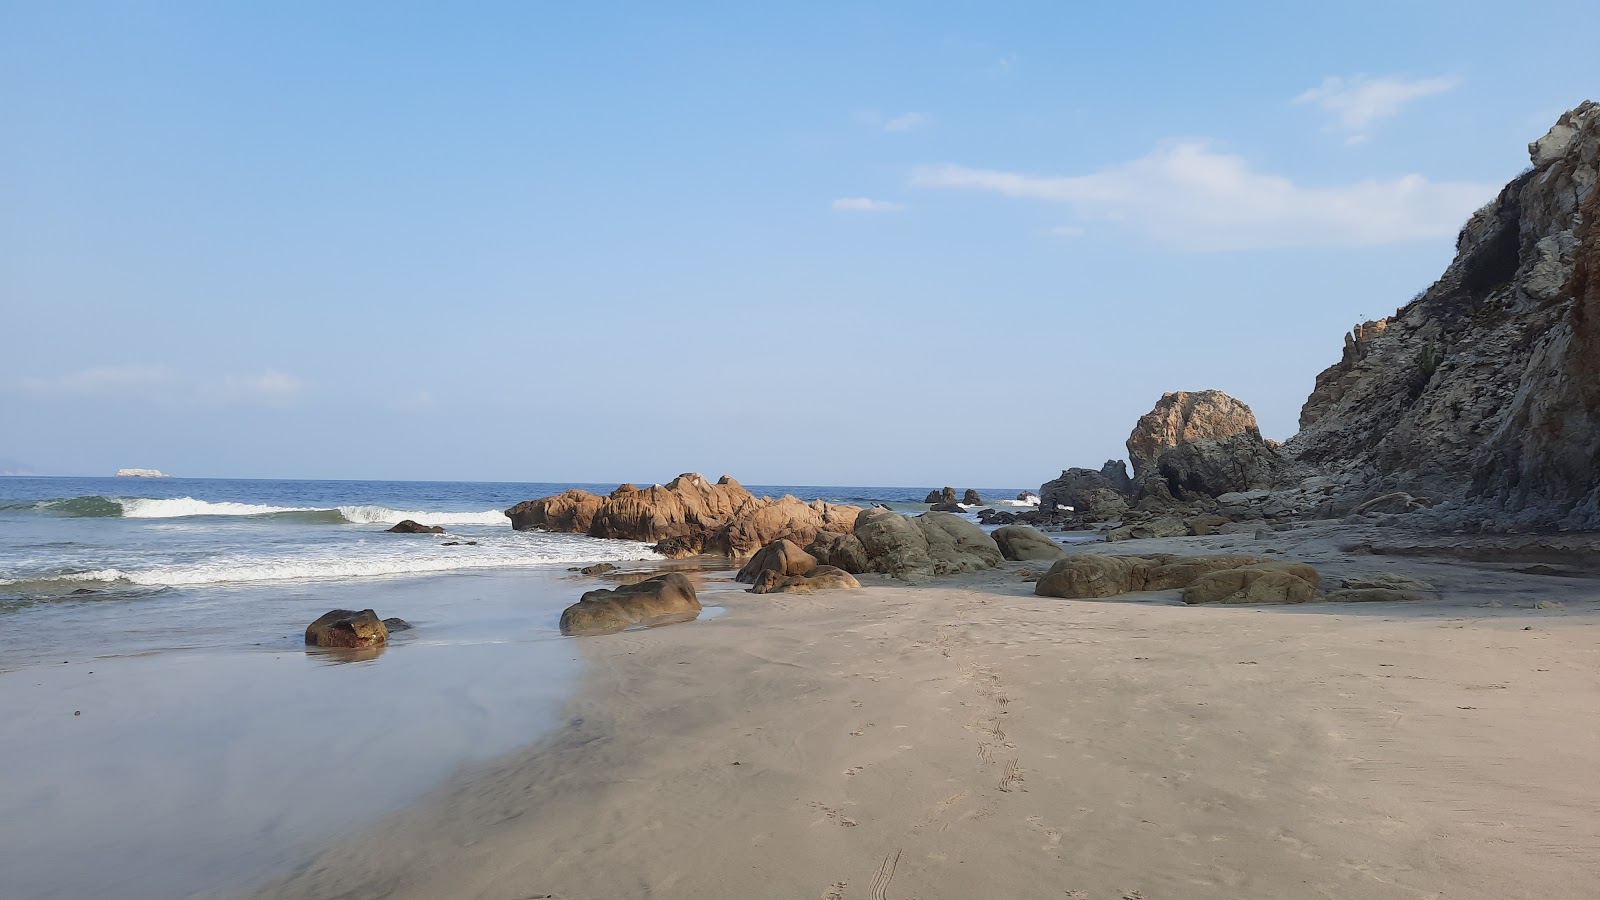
(851, 244)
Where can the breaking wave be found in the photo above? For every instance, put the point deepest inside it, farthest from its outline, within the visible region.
(96, 506)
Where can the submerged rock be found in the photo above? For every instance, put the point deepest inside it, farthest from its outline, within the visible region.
(409, 526)
(659, 600)
(347, 628)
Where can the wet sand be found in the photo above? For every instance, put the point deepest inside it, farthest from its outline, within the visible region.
(968, 739)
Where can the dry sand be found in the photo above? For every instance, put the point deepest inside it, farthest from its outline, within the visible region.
(970, 740)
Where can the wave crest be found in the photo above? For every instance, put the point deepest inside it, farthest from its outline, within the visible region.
(95, 506)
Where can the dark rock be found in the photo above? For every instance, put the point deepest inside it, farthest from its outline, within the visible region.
(782, 557)
(597, 569)
(971, 498)
(842, 551)
(394, 625)
(347, 628)
(408, 526)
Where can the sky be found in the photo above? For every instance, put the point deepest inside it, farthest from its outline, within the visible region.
(856, 243)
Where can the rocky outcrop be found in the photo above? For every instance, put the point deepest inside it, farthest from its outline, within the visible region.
(654, 601)
(971, 498)
(821, 578)
(569, 512)
(917, 549)
(1094, 494)
(1482, 390)
(409, 526)
(347, 628)
(1201, 444)
(686, 516)
(947, 495)
(1019, 542)
(780, 556)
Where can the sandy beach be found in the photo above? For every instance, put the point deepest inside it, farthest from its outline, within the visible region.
(969, 739)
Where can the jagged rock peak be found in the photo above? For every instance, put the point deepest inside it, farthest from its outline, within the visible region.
(1484, 387)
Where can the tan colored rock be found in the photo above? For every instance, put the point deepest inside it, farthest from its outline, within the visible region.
(1166, 526)
(569, 512)
(1388, 581)
(1182, 417)
(821, 578)
(927, 546)
(1170, 572)
(780, 556)
(842, 551)
(1265, 583)
(686, 516)
(1201, 526)
(1024, 542)
(654, 601)
(347, 628)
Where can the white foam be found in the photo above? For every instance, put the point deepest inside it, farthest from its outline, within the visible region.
(383, 515)
(179, 507)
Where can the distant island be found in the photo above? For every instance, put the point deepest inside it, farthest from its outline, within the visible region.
(142, 473)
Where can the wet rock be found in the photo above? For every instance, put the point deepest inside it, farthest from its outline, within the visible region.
(971, 498)
(408, 526)
(658, 600)
(597, 569)
(347, 628)
(780, 556)
(394, 624)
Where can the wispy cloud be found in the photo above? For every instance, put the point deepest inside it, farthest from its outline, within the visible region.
(866, 204)
(906, 121)
(162, 386)
(1359, 102)
(1190, 196)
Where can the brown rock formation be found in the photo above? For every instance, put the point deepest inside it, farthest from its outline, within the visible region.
(821, 578)
(687, 515)
(780, 556)
(347, 628)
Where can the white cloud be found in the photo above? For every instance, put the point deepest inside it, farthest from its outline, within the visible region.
(866, 204)
(1359, 101)
(906, 121)
(162, 386)
(1192, 197)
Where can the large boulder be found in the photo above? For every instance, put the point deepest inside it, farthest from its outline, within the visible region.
(1087, 492)
(780, 556)
(971, 498)
(347, 628)
(1087, 575)
(1018, 542)
(686, 516)
(842, 551)
(821, 578)
(916, 549)
(570, 511)
(654, 601)
(1201, 443)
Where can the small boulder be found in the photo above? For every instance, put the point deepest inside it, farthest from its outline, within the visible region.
(948, 508)
(1397, 503)
(780, 556)
(1371, 595)
(347, 628)
(394, 625)
(1388, 581)
(597, 569)
(1201, 526)
(1022, 542)
(821, 578)
(1166, 526)
(409, 526)
(1027, 497)
(654, 601)
(1088, 575)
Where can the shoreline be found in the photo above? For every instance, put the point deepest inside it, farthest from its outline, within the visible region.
(967, 738)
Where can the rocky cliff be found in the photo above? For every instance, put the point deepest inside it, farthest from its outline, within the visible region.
(1485, 389)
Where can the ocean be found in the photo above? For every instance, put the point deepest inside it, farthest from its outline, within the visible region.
(171, 726)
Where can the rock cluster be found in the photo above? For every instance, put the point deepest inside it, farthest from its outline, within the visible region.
(686, 516)
(921, 548)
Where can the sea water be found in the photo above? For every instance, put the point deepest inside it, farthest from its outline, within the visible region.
(168, 733)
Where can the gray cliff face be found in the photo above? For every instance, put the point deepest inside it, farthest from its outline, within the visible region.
(1486, 387)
